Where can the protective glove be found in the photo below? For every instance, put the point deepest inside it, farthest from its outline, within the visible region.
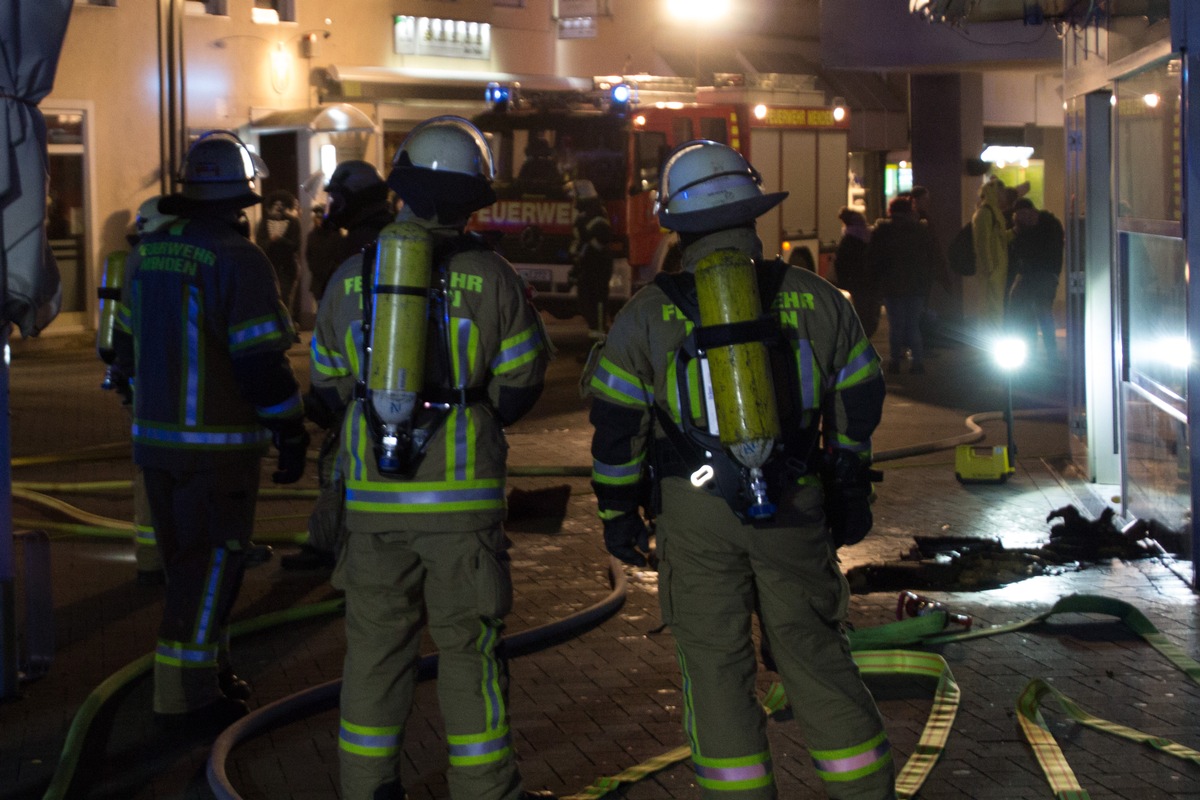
(848, 513)
(848, 496)
(291, 440)
(627, 538)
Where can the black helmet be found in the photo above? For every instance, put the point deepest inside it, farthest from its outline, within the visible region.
(218, 171)
(353, 186)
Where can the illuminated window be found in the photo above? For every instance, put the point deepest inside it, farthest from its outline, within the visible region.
(270, 12)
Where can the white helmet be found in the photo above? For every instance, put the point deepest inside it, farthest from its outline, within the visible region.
(709, 186)
(444, 164)
(218, 169)
(149, 219)
(584, 190)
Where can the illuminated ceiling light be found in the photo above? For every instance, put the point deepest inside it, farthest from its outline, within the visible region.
(760, 111)
(1151, 100)
(903, 165)
(1112, 101)
(1006, 154)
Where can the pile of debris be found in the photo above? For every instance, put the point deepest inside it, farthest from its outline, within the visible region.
(956, 563)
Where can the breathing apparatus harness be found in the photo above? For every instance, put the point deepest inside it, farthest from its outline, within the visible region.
(438, 395)
(691, 452)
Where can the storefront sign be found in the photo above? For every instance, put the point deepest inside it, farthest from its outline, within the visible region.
(430, 36)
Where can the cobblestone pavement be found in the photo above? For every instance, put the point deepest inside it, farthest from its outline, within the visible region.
(610, 697)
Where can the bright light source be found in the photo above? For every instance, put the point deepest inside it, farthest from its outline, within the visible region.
(1006, 154)
(698, 10)
(621, 93)
(760, 111)
(1010, 353)
(839, 114)
(1151, 100)
(903, 165)
(328, 160)
(639, 120)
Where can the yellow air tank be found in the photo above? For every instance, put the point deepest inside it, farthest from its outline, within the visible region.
(740, 374)
(110, 297)
(400, 309)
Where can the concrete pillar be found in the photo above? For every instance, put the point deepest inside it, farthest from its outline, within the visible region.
(947, 130)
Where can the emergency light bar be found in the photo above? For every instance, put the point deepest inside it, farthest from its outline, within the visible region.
(501, 96)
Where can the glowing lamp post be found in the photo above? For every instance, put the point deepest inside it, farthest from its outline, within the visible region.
(1010, 353)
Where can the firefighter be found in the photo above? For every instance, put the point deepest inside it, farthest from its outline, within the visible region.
(204, 336)
(425, 492)
(592, 260)
(145, 550)
(358, 203)
(743, 517)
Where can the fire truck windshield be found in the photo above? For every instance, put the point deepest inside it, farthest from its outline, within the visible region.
(539, 154)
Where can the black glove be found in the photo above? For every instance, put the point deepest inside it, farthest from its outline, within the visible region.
(848, 513)
(291, 440)
(848, 496)
(628, 538)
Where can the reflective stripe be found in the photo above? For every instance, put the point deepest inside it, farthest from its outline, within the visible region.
(862, 365)
(852, 763)
(426, 497)
(617, 384)
(144, 534)
(255, 331)
(844, 442)
(464, 345)
(460, 445)
(487, 748)
(291, 407)
(149, 434)
(734, 774)
(373, 742)
(618, 474)
(518, 350)
(326, 361)
(186, 654)
(192, 368)
(810, 378)
(493, 695)
(212, 590)
(124, 319)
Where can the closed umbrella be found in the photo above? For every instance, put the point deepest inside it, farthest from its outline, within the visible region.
(31, 38)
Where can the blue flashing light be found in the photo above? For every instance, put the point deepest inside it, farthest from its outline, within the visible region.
(621, 94)
(496, 95)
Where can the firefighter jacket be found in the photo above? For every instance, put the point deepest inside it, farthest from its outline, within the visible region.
(990, 237)
(835, 389)
(496, 351)
(202, 331)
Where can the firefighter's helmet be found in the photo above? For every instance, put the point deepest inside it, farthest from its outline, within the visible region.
(353, 186)
(444, 167)
(218, 170)
(149, 219)
(708, 186)
(584, 191)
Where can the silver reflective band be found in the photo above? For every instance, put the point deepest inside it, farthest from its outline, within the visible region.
(702, 475)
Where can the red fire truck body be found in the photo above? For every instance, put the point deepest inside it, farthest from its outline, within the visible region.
(541, 149)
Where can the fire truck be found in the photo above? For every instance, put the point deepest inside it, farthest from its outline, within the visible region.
(617, 137)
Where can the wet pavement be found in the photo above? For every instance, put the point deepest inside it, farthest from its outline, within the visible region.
(608, 698)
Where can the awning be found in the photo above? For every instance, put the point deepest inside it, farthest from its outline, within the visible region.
(372, 84)
(336, 118)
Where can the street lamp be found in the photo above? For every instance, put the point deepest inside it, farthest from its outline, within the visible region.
(1010, 353)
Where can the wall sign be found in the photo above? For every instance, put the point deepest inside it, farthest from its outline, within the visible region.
(451, 38)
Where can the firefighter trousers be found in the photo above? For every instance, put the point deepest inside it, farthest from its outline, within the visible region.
(203, 520)
(459, 584)
(711, 569)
